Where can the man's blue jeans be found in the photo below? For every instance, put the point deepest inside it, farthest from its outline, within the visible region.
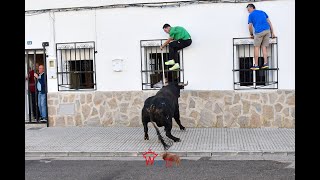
(42, 103)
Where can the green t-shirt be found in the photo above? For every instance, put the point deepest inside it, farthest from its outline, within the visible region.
(178, 33)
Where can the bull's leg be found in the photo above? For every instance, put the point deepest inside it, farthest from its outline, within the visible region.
(177, 118)
(145, 120)
(145, 125)
(169, 135)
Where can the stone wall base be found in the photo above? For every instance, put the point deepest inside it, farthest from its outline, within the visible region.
(230, 109)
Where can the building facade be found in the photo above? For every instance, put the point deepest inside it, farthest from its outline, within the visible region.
(102, 59)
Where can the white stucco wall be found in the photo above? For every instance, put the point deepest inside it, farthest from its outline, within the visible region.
(208, 61)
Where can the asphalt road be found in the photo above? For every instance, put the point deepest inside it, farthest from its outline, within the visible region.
(203, 168)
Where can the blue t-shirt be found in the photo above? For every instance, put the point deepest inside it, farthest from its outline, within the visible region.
(259, 21)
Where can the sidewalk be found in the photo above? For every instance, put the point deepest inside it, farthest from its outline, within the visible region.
(129, 141)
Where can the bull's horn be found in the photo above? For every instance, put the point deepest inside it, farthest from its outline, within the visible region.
(181, 84)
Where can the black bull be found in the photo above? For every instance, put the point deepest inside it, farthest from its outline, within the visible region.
(160, 109)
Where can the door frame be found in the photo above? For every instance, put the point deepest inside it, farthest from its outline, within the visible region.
(34, 52)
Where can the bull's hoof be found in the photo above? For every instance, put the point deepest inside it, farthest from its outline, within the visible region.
(182, 128)
(177, 140)
(146, 138)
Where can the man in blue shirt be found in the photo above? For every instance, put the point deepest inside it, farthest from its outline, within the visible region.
(262, 30)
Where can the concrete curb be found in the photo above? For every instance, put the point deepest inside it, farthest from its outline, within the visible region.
(136, 153)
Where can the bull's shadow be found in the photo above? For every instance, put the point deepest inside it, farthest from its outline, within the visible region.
(160, 109)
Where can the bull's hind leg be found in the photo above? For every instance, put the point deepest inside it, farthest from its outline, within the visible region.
(145, 120)
(177, 119)
(145, 125)
(169, 135)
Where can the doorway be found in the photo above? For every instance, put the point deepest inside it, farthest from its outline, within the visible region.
(33, 59)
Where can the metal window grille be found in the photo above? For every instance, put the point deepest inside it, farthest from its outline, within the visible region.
(243, 76)
(151, 64)
(76, 66)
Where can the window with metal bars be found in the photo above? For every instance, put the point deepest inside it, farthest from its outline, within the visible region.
(243, 76)
(76, 66)
(152, 63)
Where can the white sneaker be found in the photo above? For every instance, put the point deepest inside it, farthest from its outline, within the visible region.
(43, 120)
(176, 66)
(171, 62)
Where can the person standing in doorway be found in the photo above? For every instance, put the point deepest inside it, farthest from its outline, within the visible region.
(41, 87)
(261, 23)
(179, 39)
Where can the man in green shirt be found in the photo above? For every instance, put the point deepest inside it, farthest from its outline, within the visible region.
(179, 38)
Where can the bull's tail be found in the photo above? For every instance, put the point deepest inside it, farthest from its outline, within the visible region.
(165, 145)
